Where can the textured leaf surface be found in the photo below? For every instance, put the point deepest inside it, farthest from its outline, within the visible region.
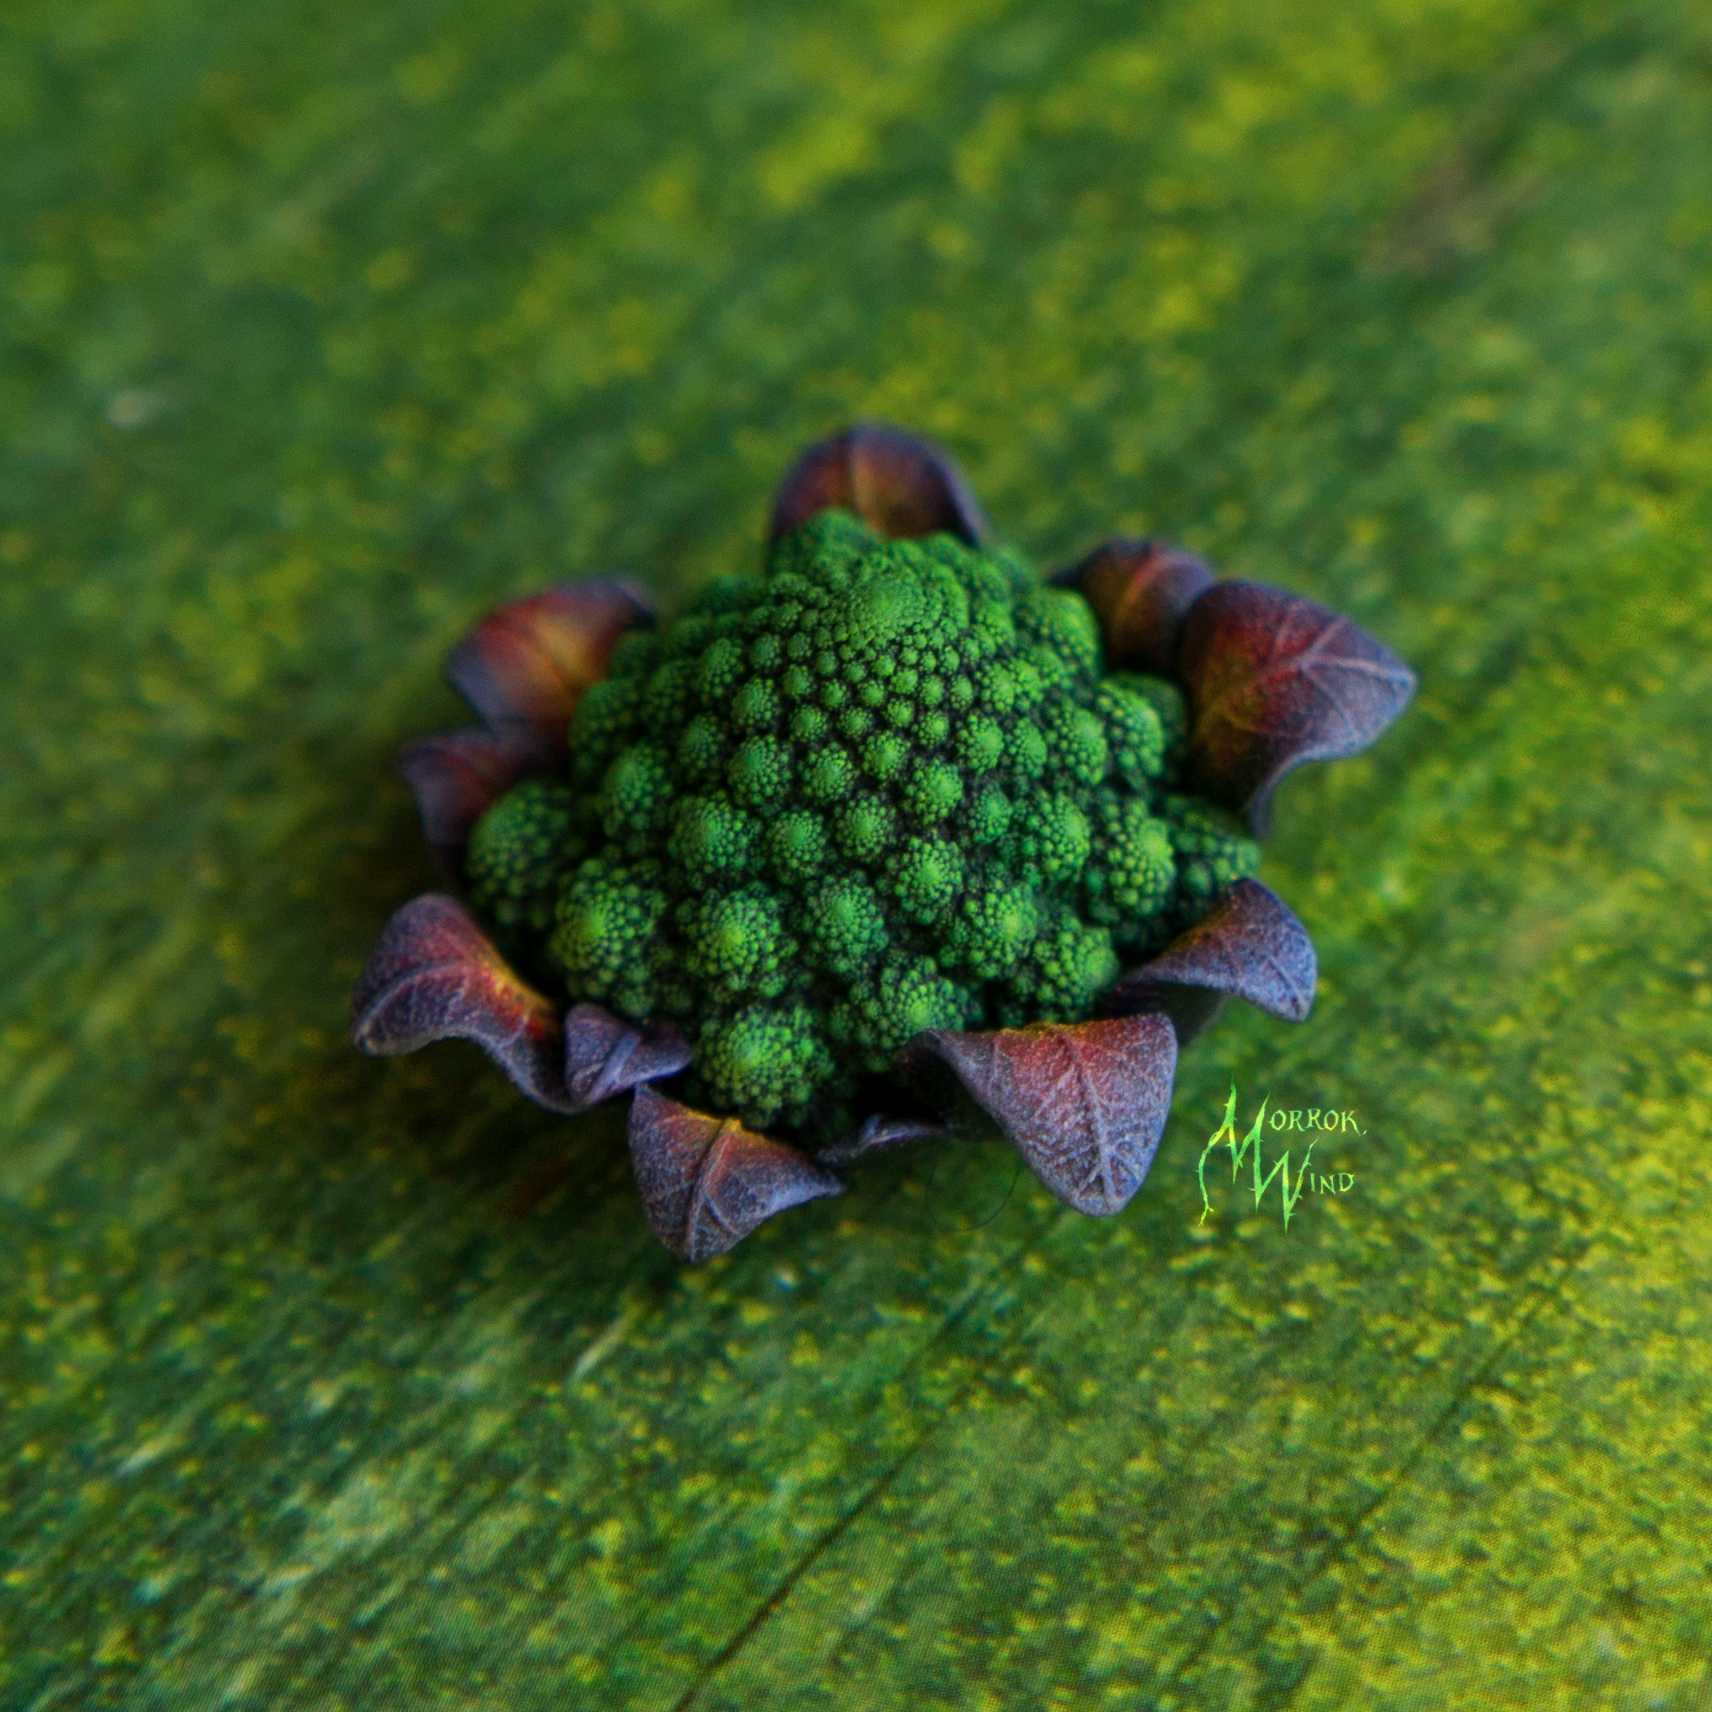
(456, 776)
(326, 1383)
(1250, 945)
(1275, 680)
(902, 485)
(524, 666)
(605, 1055)
(875, 1133)
(1084, 1105)
(1141, 592)
(434, 976)
(707, 1182)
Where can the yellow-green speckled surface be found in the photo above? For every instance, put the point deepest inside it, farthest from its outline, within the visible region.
(332, 1383)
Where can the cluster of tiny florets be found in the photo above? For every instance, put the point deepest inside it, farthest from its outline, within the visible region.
(882, 786)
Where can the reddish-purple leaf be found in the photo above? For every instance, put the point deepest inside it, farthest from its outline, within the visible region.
(875, 1133)
(897, 484)
(1192, 1010)
(1141, 592)
(1249, 944)
(524, 667)
(1274, 680)
(456, 777)
(1083, 1103)
(605, 1055)
(706, 1182)
(434, 976)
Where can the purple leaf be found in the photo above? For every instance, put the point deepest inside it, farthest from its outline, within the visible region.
(875, 1133)
(897, 484)
(1083, 1103)
(1249, 944)
(1141, 592)
(434, 976)
(1274, 680)
(706, 1182)
(524, 667)
(456, 777)
(605, 1055)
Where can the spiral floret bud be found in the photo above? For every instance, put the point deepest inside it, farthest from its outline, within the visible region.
(1211, 851)
(520, 851)
(604, 937)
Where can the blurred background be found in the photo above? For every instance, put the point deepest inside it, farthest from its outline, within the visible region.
(327, 1382)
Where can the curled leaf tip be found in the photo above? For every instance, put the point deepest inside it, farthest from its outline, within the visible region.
(1250, 944)
(434, 976)
(898, 484)
(1141, 592)
(1083, 1103)
(1275, 680)
(875, 1133)
(456, 776)
(706, 1182)
(605, 1055)
(524, 666)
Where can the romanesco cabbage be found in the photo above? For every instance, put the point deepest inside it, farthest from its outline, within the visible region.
(880, 787)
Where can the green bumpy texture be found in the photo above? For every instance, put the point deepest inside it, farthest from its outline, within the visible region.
(882, 786)
(517, 855)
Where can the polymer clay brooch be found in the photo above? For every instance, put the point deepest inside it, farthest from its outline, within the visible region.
(887, 839)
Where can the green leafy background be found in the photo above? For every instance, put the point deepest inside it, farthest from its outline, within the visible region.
(326, 1382)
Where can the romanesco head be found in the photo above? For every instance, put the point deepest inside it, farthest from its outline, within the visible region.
(882, 786)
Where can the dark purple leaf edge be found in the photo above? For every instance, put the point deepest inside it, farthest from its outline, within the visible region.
(456, 777)
(706, 1182)
(524, 666)
(897, 483)
(1083, 1103)
(1141, 593)
(1273, 681)
(434, 975)
(1250, 944)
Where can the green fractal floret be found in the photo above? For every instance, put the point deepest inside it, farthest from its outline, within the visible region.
(1130, 875)
(882, 786)
(1212, 852)
(604, 940)
(737, 944)
(1064, 971)
(519, 853)
(763, 1058)
(902, 998)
